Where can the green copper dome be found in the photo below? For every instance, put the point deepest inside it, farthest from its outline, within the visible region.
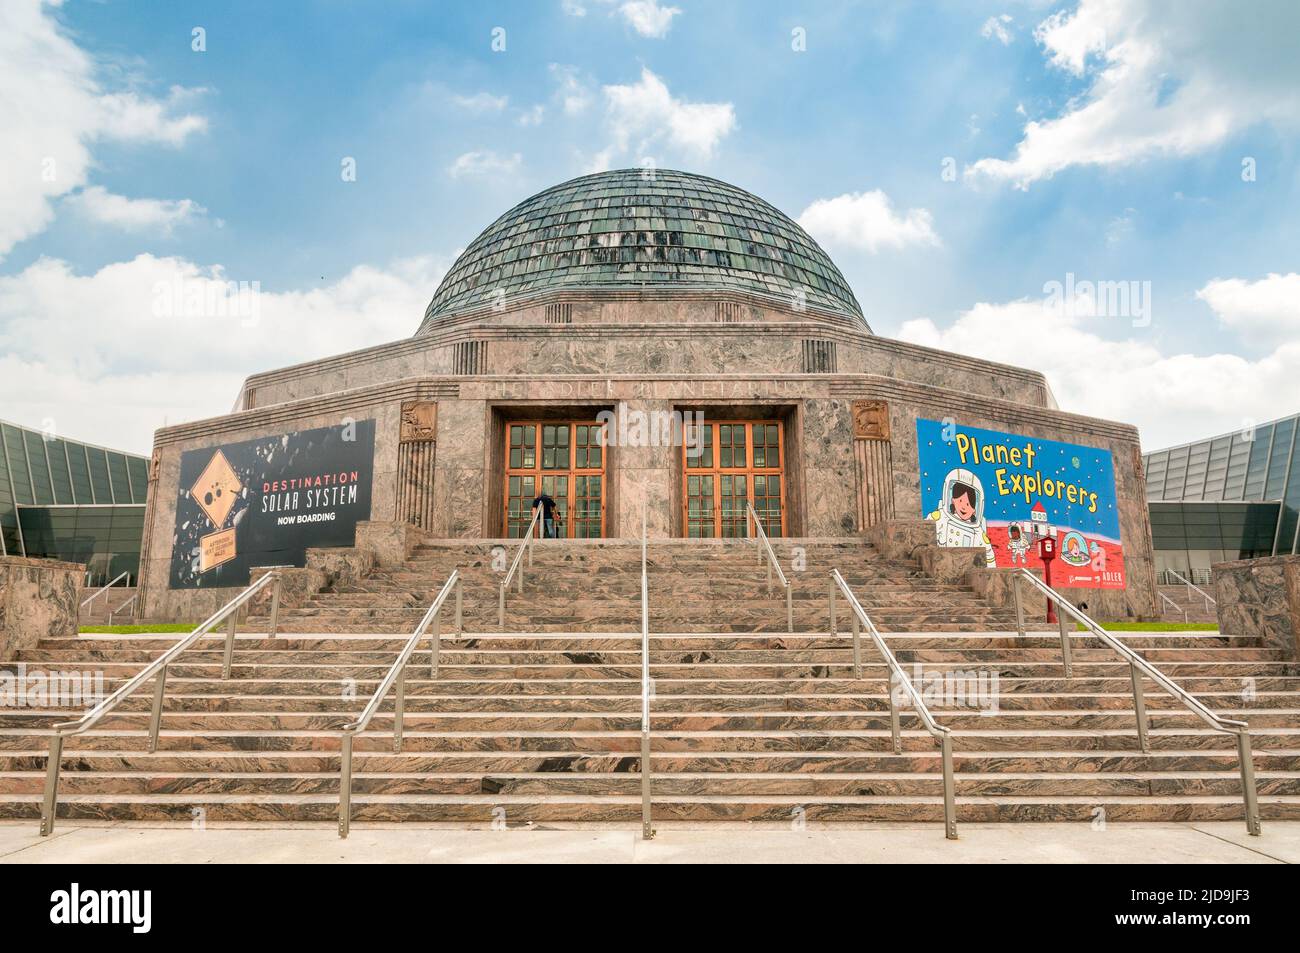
(626, 229)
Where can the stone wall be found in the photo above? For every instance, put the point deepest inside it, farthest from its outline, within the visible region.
(38, 599)
(1261, 597)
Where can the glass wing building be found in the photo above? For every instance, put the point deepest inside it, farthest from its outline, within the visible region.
(60, 499)
(1235, 496)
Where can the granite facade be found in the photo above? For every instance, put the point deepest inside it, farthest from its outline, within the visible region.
(654, 353)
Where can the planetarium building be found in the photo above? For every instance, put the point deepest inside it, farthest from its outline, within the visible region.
(632, 342)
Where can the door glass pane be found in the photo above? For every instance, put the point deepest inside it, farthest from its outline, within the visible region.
(733, 500)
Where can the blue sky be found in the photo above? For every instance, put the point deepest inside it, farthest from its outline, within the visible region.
(1104, 141)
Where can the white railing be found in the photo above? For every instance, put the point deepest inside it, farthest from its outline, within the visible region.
(397, 675)
(768, 555)
(516, 567)
(157, 670)
(129, 604)
(1192, 587)
(1173, 605)
(898, 679)
(103, 589)
(1139, 667)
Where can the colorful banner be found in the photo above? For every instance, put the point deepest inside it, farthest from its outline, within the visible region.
(264, 502)
(1006, 491)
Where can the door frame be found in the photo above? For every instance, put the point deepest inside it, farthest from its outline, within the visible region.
(749, 471)
(537, 472)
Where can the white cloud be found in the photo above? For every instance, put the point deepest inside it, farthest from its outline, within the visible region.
(485, 162)
(648, 18)
(165, 338)
(867, 220)
(54, 109)
(1171, 398)
(152, 215)
(645, 115)
(574, 92)
(1164, 81)
(996, 28)
(532, 116)
(1269, 307)
(481, 102)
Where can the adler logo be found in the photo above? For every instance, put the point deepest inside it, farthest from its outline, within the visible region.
(93, 907)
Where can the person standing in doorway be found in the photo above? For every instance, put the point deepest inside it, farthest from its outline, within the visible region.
(549, 528)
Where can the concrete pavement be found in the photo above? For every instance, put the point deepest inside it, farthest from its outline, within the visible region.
(124, 843)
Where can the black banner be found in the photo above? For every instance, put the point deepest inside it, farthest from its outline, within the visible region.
(263, 502)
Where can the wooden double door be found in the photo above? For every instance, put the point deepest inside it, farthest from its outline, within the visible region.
(564, 459)
(730, 464)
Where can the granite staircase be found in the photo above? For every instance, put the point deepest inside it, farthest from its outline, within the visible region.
(751, 722)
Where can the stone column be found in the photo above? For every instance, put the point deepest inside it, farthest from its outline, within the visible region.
(460, 487)
(644, 469)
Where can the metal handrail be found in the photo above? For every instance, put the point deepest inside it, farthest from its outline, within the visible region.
(525, 545)
(157, 669)
(647, 828)
(122, 607)
(1170, 602)
(767, 553)
(103, 589)
(1191, 586)
(898, 677)
(397, 674)
(1139, 666)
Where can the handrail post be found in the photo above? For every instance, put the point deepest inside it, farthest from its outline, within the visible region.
(1064, 621)
(1020, 606)
(834, 631)
(895, 729)
(789, 607)
(345, 785)
(275, 604)
(50, 805)
(949, 789)
(857, 643)
(501, 607)
(647, 827)
(230, 644)
(400, 709)
(1139, 706)
(1249, 794)
(435, 644)
(769, 577)
(155, 714)
(460, 606)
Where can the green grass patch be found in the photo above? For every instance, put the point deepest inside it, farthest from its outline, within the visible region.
(1155, 626)
(137, 629)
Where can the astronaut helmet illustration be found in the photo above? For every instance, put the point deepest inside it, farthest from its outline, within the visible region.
(963, 497)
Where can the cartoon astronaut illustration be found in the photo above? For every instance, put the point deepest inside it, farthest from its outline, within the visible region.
(1019, 539)
(959, 520)
(1098, 557)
